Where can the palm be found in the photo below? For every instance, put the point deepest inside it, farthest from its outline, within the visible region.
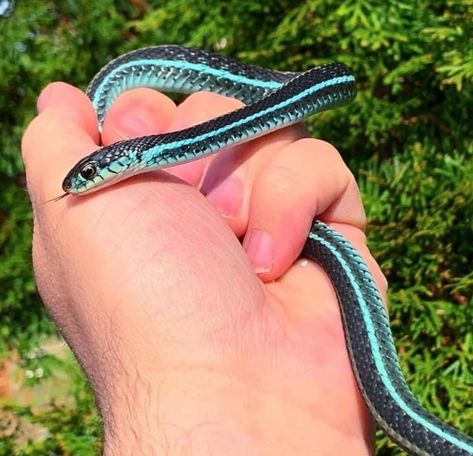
(173, 268)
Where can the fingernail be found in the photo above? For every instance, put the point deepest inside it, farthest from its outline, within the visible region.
(227, 197)
(259, 248)
(133, 124)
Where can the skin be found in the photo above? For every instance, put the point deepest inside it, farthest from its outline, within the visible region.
(194, 342)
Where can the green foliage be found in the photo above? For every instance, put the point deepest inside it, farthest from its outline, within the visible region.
(66, 426)
(407, 138)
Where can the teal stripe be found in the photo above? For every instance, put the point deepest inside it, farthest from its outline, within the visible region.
(238, 123)
(182, 65)
(375, 350)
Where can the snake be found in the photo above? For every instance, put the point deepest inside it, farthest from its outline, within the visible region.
(272, 100)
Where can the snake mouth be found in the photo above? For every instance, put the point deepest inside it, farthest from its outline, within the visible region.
(66, 185)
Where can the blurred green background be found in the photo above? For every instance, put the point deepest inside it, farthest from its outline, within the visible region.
(407, 139)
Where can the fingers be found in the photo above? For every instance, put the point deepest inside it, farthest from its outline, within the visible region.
(138, 112)
(144, 111)
(232, 174)
(62, 96)
(197, 108)
(270, 188)
(64, 131)
(307, 178)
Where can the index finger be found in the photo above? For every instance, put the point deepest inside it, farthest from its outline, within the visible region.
(64, 131)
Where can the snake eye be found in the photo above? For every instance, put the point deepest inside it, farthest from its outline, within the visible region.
(89, 171)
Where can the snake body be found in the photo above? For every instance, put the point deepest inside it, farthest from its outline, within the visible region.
(273, 100)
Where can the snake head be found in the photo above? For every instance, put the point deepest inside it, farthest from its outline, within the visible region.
(82, 177)
(102, 168)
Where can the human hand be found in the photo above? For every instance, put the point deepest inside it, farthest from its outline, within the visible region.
(187, 349)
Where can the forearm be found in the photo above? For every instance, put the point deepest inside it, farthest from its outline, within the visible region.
(201, 411)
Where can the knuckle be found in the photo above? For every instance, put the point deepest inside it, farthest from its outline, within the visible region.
(318, 151)
(331, 156)
(328, 148)
(334, 156)
(318, 155)
(282, 180)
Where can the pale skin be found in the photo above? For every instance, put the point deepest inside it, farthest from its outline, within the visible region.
(194, 342)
